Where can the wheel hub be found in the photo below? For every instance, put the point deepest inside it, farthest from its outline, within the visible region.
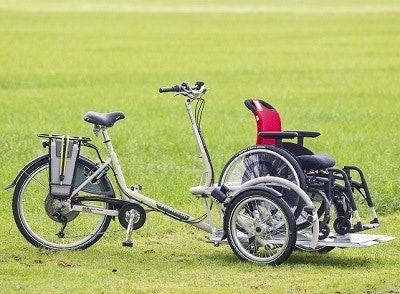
(58, 210)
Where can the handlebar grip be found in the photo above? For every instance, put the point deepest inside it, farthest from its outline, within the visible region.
(176, 88)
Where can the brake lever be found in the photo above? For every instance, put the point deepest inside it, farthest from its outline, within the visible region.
(191, 93)
(185, 90)
(182, 93)
(186, 87)
(198, 85)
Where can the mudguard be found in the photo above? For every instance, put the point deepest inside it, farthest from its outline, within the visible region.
(270, 190)
(24, 169)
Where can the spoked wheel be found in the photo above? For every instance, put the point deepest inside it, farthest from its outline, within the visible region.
(259, 161)
(260, 227)
(48, 222)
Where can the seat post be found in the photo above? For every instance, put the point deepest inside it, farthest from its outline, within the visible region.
(114, 158)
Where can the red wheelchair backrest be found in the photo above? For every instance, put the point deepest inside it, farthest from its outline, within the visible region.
(267, 119)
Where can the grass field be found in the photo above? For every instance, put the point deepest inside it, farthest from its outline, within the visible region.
(326, 66)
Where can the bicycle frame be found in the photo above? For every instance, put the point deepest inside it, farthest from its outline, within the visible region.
(133, 195)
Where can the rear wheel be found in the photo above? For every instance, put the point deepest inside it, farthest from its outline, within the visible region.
(260, 227)
(48, 222)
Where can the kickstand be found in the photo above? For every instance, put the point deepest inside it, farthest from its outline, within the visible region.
(63, 220)
(61, 233)
(128, 242)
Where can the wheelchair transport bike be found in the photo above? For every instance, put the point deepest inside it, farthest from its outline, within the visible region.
(270, 198)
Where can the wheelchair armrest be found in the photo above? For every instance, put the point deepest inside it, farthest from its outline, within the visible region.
(305, 134)
(279, 136)
(310, 134)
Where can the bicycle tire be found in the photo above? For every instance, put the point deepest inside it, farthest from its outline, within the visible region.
(34, 210)
(260, 227)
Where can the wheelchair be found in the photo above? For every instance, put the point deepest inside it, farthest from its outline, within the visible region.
(335, 192)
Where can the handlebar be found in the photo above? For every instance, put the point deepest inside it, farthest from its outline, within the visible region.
(176, 88)
(186, 90)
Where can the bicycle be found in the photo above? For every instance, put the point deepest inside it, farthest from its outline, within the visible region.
(64, 200)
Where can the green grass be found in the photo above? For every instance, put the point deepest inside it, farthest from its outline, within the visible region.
(327, 66)
(168, 260)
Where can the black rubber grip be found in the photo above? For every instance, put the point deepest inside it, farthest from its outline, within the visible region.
(176, 88)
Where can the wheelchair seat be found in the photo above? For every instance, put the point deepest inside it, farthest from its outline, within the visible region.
(316, 161)
(269, 132)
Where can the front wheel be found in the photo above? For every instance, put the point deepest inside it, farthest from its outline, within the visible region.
(46, 221)
(260, 227)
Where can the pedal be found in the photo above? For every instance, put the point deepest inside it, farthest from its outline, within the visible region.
(217, 238)
(127, 243)
(136, 187)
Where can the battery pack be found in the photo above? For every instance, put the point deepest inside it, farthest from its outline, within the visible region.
(63, 155)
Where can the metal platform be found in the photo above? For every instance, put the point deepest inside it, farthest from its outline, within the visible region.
(353, 240)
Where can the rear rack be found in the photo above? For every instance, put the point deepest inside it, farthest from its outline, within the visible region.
(55, 136)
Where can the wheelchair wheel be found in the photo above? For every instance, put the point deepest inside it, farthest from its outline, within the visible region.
(342, 205)
(260, 227)
(46, 221)
(262, 160)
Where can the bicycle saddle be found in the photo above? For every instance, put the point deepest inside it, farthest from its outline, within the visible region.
(103, 119)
